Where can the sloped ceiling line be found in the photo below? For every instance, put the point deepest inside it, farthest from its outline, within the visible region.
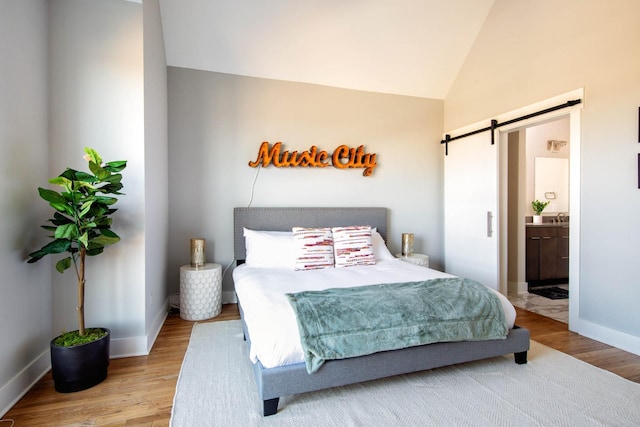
(403, 47)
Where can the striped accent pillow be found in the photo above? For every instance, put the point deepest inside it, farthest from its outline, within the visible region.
(313, 248)
(353, 246)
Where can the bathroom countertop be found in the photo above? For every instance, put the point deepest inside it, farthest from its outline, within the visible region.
(547, 224)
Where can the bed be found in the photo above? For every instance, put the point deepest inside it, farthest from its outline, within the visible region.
(285, 374)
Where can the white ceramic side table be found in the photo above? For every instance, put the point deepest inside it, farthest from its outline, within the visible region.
(417, 259)
(200, 291)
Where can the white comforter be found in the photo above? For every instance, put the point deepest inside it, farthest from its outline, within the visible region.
(270, 320)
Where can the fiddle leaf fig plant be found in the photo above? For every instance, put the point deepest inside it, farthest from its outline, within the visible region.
(539, 206)
(81, 222)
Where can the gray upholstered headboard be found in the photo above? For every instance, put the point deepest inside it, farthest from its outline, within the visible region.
(282, 219)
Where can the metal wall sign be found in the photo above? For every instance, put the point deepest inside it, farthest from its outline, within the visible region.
(343, 157)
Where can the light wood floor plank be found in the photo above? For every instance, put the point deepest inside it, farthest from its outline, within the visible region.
(139, 390)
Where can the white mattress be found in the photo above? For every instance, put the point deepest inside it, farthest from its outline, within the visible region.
(270, 320)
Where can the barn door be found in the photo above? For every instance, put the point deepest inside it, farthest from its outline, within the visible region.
(471, 209)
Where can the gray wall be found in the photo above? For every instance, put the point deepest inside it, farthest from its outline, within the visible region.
(527, 53)
(25, 289)
(218, 121)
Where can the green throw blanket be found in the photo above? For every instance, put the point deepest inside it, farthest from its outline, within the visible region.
(347, 322)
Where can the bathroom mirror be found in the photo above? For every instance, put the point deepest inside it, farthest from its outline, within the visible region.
(552, 183)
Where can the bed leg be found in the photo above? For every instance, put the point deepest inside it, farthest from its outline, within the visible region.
(270, 406)
(521, 357)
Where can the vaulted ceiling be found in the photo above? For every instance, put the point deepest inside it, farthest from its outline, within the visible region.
(404, 47)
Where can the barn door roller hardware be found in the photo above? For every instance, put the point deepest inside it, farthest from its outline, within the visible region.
(494, 124)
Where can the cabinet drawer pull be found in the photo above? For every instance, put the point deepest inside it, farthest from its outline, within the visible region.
(534, 238)
(564, 257)
(546, 237)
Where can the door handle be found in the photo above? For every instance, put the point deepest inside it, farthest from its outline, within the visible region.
(489, 224)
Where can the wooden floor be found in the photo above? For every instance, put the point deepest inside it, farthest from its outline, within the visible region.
(139, 390)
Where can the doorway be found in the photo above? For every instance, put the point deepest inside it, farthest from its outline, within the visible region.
(513, 209)
(538, 169)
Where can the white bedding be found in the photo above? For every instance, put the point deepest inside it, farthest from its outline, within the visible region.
(270, 320)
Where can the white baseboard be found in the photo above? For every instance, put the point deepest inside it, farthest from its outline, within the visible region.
(229, 297)
(518, 287)
(140, 345)
(156, 326)
(20, 384)
(621, 340)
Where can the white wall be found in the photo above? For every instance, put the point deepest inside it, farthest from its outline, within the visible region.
(156, 171)
(528, 52)
(218, 121)
(536, 146)
(25, 289)
(96, 87)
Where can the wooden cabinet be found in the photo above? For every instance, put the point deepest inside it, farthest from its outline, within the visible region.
(547, 254)
(563, 252)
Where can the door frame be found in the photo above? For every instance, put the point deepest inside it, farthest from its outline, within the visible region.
(574, 114)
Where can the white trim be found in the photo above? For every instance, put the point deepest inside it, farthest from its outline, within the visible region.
(139, 345)
(23, 381)
(229, 297)
(518, 287)
(574, 219)
(156, 326)
(128, 347)
(605, 335)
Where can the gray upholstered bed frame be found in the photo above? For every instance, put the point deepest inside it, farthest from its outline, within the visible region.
(286, 380)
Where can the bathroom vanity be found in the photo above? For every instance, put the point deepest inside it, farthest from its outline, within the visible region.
(547, 251)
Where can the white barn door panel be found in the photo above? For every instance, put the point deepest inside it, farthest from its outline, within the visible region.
(471, 209)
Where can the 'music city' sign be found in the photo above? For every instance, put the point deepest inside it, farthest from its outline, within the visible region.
(342, 157)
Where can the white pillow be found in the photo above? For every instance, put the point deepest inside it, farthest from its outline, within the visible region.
(352, 246)
(380, 250)
(313, 248)
(269, 248)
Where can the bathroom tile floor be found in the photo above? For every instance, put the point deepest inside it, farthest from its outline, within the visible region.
(556, 309)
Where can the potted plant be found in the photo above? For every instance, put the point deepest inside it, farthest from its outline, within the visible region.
(538, 207)
(81, 227)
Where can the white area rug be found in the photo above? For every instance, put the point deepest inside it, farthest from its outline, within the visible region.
(216, 388)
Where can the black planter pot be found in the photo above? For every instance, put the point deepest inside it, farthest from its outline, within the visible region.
(80, 367)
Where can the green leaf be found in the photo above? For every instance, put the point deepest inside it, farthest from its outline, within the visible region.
(74, 175)
(66, 231)
(95, 251)
(63, 264)
(62, 207)
(85, 208)
(98, 171)
(61, 181)
(59, 219)
(84, 240)
(114, 178)
(93, 155)
(105, 239)
(103, 221)
(56, 247)
(116, 166)
(51, 196)
(106, 200)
